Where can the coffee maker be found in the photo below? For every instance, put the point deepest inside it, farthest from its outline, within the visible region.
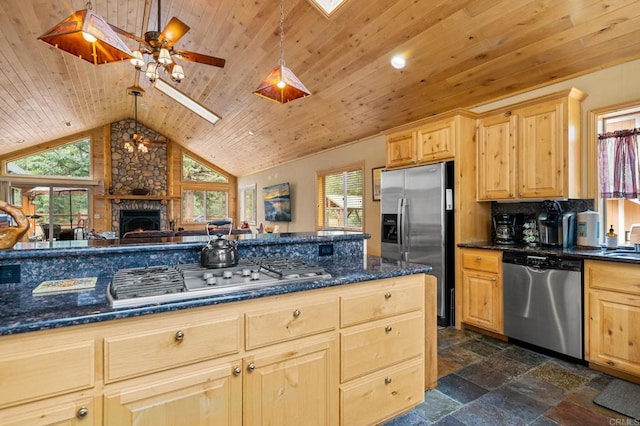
(557, 229)
(504, 226)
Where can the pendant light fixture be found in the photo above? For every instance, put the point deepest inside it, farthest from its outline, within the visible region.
(281, 85)
(87, 35)
(136, 142)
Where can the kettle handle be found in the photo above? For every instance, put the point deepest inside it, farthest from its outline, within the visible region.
(219, 223)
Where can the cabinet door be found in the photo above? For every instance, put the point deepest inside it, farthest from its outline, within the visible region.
(542, 151)
(497, 157)
(614, 330)
(296, 387)
(436, 141)
(482, 300)
(209, 396)
(401, 149)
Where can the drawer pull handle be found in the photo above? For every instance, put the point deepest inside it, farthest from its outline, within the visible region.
(82, 412)
(179, 336)
(251, 366)
(388, 329)
(387, 295)
(387, 380)
(478, 258)
(296, 313)
(237, 371)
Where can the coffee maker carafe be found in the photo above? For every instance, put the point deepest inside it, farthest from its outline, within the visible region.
(504, 226)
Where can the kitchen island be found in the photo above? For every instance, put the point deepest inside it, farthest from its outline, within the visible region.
(368, 330)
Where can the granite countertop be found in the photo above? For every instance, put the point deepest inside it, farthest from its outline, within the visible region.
(601, 253)
(22, 312)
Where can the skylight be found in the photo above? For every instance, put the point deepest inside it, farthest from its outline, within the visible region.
(327, 6)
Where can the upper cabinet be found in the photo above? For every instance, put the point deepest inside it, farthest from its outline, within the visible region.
(531, 150)
(431, 141)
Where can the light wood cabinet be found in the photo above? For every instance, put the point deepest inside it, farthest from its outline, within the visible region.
(382, 350)
(431, 141)
(274, 360)
(531, 150)
(612, 316)
(482, 297)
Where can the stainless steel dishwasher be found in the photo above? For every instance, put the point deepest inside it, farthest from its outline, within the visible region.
(543, 302)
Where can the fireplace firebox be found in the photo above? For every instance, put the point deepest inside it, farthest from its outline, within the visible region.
(133, 220)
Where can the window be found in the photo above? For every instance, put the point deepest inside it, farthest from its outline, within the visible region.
(617, 183)
(340, 196)
(204, 206)
(193, 171)
(69, 160)
(248, 206)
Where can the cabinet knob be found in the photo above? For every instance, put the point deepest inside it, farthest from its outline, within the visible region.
(478, 257)
(179, 336)
(511, 194)
(251, 366)
(387, 295)
(237, 371)
(296, 313)
(520, 194)
(82, 412)
(494, 279)
(388, 329)
(387, 380)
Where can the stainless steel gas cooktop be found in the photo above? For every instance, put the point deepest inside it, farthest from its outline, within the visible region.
(160, 284)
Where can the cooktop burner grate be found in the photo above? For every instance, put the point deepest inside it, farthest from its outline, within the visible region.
(147, 281)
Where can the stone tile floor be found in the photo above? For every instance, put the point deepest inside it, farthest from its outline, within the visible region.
(484, 381)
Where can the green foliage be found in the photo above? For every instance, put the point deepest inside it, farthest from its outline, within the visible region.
(73, 160)
(193, 171)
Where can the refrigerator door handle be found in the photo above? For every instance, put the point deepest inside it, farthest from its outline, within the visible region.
(400, 229)
(404, 250)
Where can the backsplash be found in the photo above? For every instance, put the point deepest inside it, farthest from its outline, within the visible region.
(530, 210)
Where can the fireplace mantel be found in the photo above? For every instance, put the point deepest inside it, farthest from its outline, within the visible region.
(117, 198)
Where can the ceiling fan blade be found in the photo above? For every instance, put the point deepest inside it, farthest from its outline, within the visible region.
(174, 30)
(128, 34)
(200, 58)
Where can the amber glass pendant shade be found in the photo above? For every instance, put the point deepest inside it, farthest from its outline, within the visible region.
(291, 90)
(73, 33)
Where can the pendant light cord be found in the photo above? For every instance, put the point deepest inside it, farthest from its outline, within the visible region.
(282, 32)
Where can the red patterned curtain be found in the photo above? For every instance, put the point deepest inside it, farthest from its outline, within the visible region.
(618, 164)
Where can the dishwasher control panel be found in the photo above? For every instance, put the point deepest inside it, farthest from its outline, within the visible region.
(542, 262)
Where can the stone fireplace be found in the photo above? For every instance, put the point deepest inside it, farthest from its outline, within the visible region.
(129, 215)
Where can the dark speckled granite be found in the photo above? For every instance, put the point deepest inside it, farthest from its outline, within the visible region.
(21, 312)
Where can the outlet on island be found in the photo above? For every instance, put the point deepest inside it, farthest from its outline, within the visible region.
(325, 250)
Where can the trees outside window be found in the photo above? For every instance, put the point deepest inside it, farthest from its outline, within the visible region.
(340, 198)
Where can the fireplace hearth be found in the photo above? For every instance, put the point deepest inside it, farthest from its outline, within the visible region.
(135, 220)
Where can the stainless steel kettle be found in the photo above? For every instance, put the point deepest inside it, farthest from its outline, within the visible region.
(221, 252)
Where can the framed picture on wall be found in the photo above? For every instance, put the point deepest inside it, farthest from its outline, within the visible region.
(375, 182)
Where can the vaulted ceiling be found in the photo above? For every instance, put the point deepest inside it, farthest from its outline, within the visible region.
(459, 53)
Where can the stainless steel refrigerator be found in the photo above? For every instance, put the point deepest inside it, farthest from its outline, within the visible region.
(417, 224)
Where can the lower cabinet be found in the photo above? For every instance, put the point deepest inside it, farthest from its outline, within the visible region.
(612, 316)
(351, 355)
(482, 304)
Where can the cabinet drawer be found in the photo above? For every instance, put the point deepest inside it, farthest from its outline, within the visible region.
(387, 342)
(615, 276)
(60, 411)
(388, 298)
(482, 260)
(141, 353)
(45, 372)
(297, 320)
(382, 395)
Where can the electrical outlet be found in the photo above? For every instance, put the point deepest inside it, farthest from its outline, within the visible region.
(325, 250)
(9, 274)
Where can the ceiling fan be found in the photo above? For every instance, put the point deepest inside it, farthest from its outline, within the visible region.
(159, 45)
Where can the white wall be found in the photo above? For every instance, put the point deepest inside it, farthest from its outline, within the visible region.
(301, 174)
(605, 87)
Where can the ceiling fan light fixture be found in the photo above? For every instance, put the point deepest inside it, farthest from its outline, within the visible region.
(137, 60)
(177, 72)
(152, 71)
(282, 85)
(87, 35)
(164, 58)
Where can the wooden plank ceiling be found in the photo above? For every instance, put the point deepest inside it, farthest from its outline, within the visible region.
(460, 53)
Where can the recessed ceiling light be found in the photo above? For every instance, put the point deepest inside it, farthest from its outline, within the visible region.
(398, 62)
